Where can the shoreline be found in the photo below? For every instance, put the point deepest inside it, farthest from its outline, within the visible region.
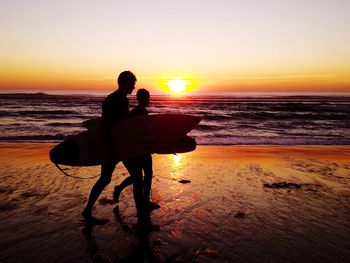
(343, 146)
(41, 149)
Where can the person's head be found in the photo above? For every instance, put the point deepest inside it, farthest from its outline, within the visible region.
(143, 97)
(126, 82)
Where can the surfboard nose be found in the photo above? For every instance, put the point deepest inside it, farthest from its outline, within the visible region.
(184, 120)
(196, 120)
(190, 121)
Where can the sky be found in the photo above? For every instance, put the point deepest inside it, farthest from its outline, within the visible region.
(214, 45)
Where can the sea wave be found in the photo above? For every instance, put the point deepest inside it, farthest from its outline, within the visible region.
(36, 138)
(233, 120)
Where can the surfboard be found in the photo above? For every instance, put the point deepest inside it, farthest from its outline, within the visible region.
(181, 145)
(92, 123)
(159, 133)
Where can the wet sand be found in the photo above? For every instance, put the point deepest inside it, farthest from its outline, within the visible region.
(218, 204)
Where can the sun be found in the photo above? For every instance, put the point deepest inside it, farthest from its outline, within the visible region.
(177, 85)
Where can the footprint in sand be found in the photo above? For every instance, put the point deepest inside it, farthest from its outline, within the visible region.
(289, 186)
(325, 169)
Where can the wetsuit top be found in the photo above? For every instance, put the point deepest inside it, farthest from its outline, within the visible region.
(143, 161)
(115, 107)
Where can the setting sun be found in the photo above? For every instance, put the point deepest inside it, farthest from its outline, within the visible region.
(177, 85)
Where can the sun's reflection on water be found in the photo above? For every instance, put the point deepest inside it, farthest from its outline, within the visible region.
(176, 165)
(177, 159)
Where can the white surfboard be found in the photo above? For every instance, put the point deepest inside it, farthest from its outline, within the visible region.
(159, 133)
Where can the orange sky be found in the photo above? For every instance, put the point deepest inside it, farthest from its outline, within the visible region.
(224, 45)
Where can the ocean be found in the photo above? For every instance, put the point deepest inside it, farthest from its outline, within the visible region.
(227, 119)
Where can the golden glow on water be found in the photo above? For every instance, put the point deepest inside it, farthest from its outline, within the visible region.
(176, 162)
(177, 159)
(226, 181)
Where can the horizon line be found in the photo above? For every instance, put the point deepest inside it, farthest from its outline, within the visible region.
(164, 93)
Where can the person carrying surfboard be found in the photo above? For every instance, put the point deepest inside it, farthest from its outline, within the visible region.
(139, 164)
(115, 107)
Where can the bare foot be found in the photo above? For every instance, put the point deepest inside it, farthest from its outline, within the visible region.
(92, 220)
(150, 206)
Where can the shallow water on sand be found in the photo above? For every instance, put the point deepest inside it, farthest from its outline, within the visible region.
(221, 212)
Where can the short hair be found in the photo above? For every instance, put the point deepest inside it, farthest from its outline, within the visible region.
(142, 93)
(126, 77)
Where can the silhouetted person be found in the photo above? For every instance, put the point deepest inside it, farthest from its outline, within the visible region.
(135, 166)
(115, 107)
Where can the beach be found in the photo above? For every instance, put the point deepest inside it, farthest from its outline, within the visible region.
(218, 204)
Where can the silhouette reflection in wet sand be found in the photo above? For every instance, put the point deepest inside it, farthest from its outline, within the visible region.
(142, 251)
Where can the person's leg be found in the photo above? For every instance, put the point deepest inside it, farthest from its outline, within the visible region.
(147, 183)
(138, 194)
(102, 182)
(148, 172)
(135, 170)
(119, 188)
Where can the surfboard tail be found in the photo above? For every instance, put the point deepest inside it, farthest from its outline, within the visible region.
(66, 153)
